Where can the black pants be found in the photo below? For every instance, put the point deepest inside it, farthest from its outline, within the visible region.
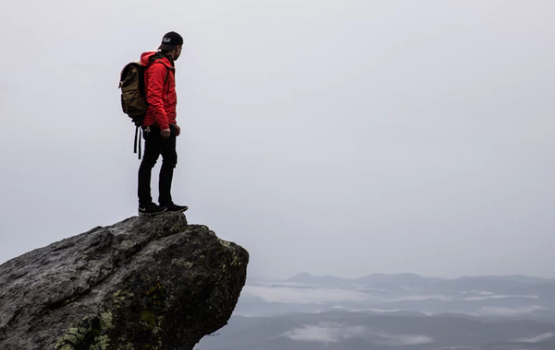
(156, 145)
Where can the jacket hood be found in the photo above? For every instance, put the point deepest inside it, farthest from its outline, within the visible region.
(148, 58)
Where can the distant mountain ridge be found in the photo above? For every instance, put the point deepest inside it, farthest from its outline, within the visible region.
(307, 277)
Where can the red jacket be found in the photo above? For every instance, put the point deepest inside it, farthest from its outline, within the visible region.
(160, 90)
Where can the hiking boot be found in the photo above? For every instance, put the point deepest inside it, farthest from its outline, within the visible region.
(176, 208)
(151, 209)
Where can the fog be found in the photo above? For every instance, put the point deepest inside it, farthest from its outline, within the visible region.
(336, 137)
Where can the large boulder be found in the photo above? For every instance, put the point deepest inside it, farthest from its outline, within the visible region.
(143, 283)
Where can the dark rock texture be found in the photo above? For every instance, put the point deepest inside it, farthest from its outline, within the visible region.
(144, 283)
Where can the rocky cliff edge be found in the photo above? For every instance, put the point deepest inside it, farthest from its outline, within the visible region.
(143, 283)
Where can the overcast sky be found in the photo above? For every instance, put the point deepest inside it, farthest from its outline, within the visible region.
(335, 137)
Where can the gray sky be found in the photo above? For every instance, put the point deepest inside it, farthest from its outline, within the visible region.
(335, 137)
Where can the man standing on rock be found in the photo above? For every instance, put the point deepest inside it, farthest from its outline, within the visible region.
(160, 129)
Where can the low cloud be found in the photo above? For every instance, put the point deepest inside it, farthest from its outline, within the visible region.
(328, 332)
(499, 296)
(304, 296)
(404, 340)
(383, 311)
(324, 333)
(348, 309)
(286, 285)
(372, 290)
(537, 339)
(503, 311)
(478, 292)
(420, 298)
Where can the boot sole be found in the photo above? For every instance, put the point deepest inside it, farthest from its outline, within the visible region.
(178, 211)
(152, 214)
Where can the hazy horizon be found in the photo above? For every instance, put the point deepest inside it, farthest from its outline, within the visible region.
(346, 276)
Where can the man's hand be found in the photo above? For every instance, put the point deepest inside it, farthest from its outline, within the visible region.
(177, 130)
(166, 133)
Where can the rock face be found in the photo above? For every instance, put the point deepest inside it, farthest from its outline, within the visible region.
(144, 283)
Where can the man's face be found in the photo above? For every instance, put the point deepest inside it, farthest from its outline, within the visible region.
(177, 52)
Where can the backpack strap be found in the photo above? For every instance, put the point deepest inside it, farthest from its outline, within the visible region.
(138, 132)
(167, 70)
(167, 75)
